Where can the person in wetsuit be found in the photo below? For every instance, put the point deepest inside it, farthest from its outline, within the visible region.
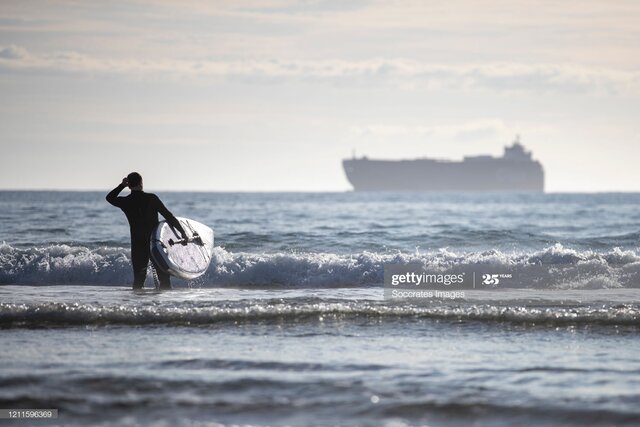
(142, 211)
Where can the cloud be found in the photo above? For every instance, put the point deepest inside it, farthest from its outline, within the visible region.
(13, 52)
(401, 73)
(313, 6)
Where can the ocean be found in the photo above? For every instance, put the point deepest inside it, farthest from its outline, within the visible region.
(290, 324)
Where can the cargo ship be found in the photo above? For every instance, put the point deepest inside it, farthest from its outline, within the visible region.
(515, 171)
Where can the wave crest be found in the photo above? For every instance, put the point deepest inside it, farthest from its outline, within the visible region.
(78, 265)
(74, 314)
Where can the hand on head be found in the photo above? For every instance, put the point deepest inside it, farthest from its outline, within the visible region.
(125, 181)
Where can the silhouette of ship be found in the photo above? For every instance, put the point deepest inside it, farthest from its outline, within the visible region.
(516, 170)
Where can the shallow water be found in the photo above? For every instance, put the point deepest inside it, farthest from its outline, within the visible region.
(337, 356)
(289, 325)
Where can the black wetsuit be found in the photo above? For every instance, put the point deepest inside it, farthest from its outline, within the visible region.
(142, 211)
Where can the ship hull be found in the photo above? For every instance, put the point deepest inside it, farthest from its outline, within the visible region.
(432, 175)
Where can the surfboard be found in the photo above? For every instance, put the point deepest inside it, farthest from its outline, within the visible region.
(185, 259)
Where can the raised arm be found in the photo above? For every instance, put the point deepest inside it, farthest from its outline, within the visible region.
(172, 220)
(113, 198)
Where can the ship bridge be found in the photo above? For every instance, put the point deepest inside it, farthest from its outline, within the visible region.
(517, 152)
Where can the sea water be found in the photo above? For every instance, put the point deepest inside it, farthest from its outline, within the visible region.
(289, 326)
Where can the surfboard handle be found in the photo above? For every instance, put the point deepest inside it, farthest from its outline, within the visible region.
(193, 239)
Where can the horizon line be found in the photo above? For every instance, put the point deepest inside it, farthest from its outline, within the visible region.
(66, 190)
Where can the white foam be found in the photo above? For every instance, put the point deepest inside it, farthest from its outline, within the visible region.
(64, 264)
(52, 313)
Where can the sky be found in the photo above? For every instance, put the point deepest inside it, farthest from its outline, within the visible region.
(271, 95)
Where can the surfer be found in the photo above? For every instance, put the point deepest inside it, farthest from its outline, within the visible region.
(142, 211)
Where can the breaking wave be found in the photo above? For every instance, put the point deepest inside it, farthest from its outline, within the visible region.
(552, 267)
(49, 314)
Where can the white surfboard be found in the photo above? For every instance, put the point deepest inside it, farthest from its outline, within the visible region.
(184, 259)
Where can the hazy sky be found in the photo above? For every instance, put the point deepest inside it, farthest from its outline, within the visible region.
(271, 95)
